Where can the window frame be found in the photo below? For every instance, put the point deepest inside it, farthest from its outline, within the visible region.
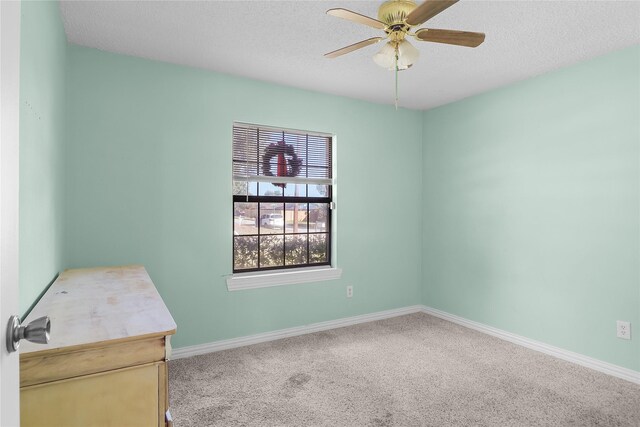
(284, 200)
(287, 274)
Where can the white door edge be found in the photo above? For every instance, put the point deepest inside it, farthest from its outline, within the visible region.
(9, 173)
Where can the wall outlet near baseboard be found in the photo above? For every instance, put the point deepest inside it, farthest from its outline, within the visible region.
(349, 291)
(623, 330)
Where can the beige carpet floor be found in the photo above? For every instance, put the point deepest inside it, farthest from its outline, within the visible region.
(414, 370)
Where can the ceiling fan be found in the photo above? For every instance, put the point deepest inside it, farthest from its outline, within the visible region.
(397, 19)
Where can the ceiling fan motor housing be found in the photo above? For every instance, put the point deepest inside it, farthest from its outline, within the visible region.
(393, 13)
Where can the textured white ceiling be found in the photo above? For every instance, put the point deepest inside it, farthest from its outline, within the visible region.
(284, 42)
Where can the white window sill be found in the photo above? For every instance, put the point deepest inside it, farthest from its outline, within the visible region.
(241, 281)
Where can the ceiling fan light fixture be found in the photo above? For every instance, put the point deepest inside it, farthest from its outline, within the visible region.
(386, 57)
(407, 55)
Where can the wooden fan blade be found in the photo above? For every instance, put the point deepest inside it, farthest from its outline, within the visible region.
(460, 38)
(353, 47)
(428, 10)
(356, 17)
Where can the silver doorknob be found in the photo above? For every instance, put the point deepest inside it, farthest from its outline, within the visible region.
(37, 331)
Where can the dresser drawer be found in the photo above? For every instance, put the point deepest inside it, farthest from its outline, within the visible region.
(120, 398)
(38, 369)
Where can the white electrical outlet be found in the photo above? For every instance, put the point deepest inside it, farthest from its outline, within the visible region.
(623, 330)
(349, 291)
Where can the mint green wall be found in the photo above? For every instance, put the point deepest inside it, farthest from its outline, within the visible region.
(42, 139)
(149, 181)
(518, 208)
(531, 207)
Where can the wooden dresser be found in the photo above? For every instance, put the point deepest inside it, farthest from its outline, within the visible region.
(106, 361)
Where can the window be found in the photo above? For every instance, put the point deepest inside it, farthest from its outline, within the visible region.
(282, 198)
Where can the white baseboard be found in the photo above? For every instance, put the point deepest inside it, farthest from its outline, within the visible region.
(589, 362)
(194, 350)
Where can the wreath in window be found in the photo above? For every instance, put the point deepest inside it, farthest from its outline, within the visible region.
(288, 163)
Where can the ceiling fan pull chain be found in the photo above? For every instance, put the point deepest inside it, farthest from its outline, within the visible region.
(396, 73)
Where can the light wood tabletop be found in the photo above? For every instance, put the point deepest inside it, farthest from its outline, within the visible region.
(98, 305)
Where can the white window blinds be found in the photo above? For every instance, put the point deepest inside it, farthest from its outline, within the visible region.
(263, 154)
